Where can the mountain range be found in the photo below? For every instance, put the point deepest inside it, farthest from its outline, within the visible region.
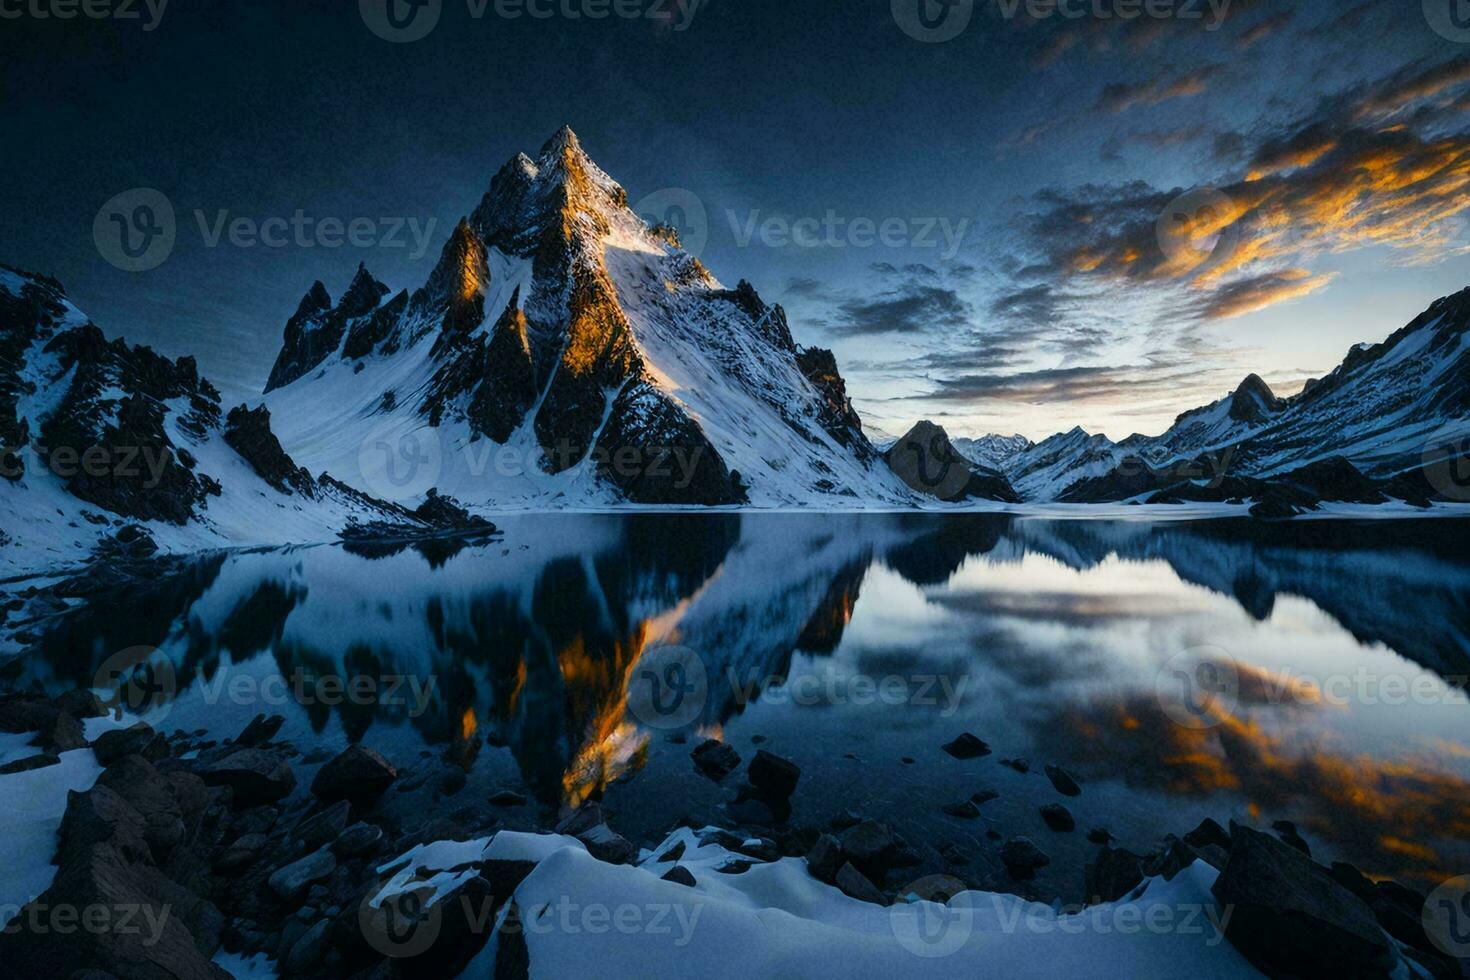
(565, 353)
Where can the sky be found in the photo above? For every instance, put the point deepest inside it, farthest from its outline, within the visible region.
(1003, 215)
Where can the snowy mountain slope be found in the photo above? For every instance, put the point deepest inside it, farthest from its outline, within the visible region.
(1386, 410)
(992, 451)
(103, 439)
(564, 351)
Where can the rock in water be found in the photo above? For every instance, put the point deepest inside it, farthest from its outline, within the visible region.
(1292, 918)
(715, 759)
(1058, 818)
(359, 775)
(774, 776)
(1022, 857)
(967, 746)
(1064, 781)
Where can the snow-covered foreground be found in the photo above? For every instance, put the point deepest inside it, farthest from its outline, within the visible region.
(775, 920)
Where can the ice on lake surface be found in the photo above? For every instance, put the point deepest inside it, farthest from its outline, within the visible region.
(1310, 672)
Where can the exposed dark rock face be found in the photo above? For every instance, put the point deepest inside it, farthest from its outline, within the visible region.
(1254, 401)
(114, 451)
(316, 330)
(248, 432)
(926, 461)
(838, 416)
(653, 452)
(491, 383)
(1291, 918)
(32, 315)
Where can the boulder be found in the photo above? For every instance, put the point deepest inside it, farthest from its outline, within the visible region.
(1022, 857)
(359, 775)
(715, 759)
(1113, 874)
(261, 729)
(1058, 818)
(1065, 782)
(140, 739)
(680, 875)
(1292, 918)
(871, 847)
(964, 809)
(358, 839)
(825, 859)
(772, 775)
(291, 881)
(254, 776)
(967, 746)
(325, 825)
(853, 884)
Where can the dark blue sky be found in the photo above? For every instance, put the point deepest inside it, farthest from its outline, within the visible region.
(1052, 144)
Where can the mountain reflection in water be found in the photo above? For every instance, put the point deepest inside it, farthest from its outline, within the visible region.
(1046, 638)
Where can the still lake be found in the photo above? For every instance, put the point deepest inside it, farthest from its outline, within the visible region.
(1311, 672)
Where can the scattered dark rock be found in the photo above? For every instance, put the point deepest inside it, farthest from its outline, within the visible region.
(825, 859)
(984, 796)
(325, 825)
(113, 745)
(245, 851)
(1058, 818)
(870, 846)
(967, 746)
(254, 776)
(1020, 765)
(359, 839)
(845, 819)
(291, 881)
(1099, 835)
(260, 730)
(1292, 918)
(1022, 857)
(673, 854)
(583, 819)
(680, 875)
(606, 844)
(1065, 782)
(854, 884)
(507, 797)
(964, 809)
(715, 759)
(359, 775)
(43, 761)
(953, 853)
(772, 775)
(1113, 874)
